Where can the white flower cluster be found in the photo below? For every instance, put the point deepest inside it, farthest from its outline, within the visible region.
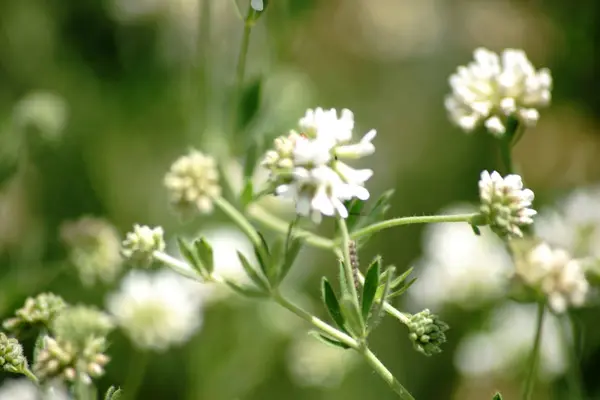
(156, 310)
(459, 267)
(500, 349)
(306, 166)
(142, 242)
(493, 88)
(24, 389)
(505, 203)
(556, 274)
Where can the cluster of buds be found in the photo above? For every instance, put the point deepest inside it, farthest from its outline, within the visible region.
(94, 249)
(64, 359)
(77, 324)
(193, 183)
(140, 244)
(39, 310)
(426, 331)
(11, 355)
(307, 166)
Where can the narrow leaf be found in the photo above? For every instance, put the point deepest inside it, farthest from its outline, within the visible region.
(354, 321)
(497, 396)
(342, 277)
(354, 207)
(249, 104)
(370, 287)
(264, 264)
(276, 261)
(403, 289)
(399, 280)
(247, 195)
(252, 273)
(327, 340)
(331, 303)
(251, 160)
(292, 249)
(204, 252)
(378, 310)
(188, 253)
(247, 291)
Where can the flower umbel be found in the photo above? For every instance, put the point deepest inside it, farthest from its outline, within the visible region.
(139, 245)
(505, 204)
(427, 332)
(495, 87)
(307, 166)
(39, 310)
(193, 182)
(11, 355)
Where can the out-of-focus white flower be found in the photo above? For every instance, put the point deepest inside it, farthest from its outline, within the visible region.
(156, 310)
(493, 88)
(556, 274)
(46, 112)
(94, 249)
(505, 203)
(574, 224)
(460, 268)
(506, 344)
(315, 364)
(23, 389)
(193, 182)
(307, 166)
(139, 245)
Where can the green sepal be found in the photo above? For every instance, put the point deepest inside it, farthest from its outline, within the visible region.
(252, 273)
(204, 253)
(327, 340)
(331, 303)
(370, 287)
(354, 321)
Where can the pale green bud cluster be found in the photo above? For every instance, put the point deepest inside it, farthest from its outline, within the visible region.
(427, 332)
(39, 310)
(61, 358)
(11, 355)
(140, 244)
(94, 249)
(79, 323)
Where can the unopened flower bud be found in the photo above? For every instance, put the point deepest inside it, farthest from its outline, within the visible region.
(78, 324)
(139, 245)
(11, 354)
(39, 310)
(427, 332)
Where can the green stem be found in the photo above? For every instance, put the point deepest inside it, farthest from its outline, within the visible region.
(387, 376)
(506, 154)
(423, 219)
(242, 222)
(574, 374)
(30, 375)
(533, 362)
(345, 247)
(135, 378)
(270, 221)
(181, 267)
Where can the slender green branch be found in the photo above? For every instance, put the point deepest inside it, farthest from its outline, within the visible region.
(506, 154)
(423, 219)
(181, 267)
(243, 54)
(533, 362)
(136, 374)
(345, 247)
(574, 374)
(30, 375)
(386, 375)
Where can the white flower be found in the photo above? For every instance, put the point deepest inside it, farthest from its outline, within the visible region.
(156, 310)
(307, 167)
(493, 87)
(257, 5)
(556, 274)
(315, 364)
(142, 242)
(193, 182)
(23, 389)
(574, 224)
(505, 203)
(506, 344)
(459, 267)
(46, 112)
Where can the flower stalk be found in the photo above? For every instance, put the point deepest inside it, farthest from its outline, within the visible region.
(533, 361)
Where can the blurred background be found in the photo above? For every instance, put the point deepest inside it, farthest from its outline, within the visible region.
(97, 98)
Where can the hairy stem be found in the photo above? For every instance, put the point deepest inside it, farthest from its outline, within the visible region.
(181, 267)
(387, 376)
(30, 375)
(345, 250)
(533, 362)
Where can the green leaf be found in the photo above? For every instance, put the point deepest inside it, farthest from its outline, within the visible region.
(378, 310)
(253, 152)
(332, 304)
(247, 195)
(354, 207)
(188, 253)
(276, 261)
(399, 280)
(264, 264)
(247, 291)
(252, 273)
(293, 245)
(113, 394)
(376, 213)
(249, 104)
(204, 252)
(497, 396)
(342, 277)
(327, 340)
(354, 321)
(370, 287)
(401, 291)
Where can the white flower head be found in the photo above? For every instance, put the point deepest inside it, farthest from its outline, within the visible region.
(193, 182)
(459, 267)
(139, 245)
(156, 310)
(505, 203)
(495, 87)
(553, 271)
(506, 344)
(308, 168)
(24, 389)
